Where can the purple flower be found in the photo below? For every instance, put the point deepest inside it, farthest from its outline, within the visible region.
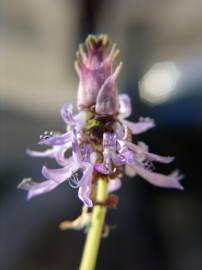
(99, 136)
(67, 172)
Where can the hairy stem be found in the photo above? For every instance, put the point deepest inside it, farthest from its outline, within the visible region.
(92, 244)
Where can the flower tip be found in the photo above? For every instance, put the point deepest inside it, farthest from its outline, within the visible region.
(178, 186)
(176, 173)
(19, 186)
(105, 39)
(76, 67)
(29, 152)
(181, 187)
(88, 203)
(86, 200)
(24, 184)
(118, 69)
(150, 120)
(29, 196)
(177, 177)
(168, 159)
(153, 124)
(97, 40)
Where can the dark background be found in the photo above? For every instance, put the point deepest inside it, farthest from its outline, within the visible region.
(155, 228)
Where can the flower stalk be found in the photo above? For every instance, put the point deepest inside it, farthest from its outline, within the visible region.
(93, 239)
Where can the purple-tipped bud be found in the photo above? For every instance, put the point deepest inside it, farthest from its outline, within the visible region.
(97, 85)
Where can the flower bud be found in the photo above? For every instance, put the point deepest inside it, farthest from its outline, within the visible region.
(97, 84)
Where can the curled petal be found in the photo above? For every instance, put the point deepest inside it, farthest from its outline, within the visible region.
(114, 185)
(60, 155)
(141, 126)
(67, 114)
(154, 157)
(26, 184)
(142, 153)
(35, 189)
(86, 185)
(50, 153)
(160, 180)
(56, 139)
(125, 108)
(59, 175)
(57, 152)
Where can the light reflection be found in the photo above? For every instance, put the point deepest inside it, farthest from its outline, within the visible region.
(159, 83)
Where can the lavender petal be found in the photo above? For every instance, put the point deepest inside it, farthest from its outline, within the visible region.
(160, 180)
(85, 186)
(154, 157)
(50, 153)
(143, 154)
(56, 139)
(35, 189)
(59, 175)
(60, 155)
(141, 126)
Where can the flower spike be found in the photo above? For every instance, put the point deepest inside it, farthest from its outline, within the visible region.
(99, 137)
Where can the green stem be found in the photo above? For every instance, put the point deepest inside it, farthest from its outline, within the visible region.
(90, 252)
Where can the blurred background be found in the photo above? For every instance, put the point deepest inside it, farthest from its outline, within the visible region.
(161, 49)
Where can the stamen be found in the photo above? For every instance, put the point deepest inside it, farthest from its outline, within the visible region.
(74, 180)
